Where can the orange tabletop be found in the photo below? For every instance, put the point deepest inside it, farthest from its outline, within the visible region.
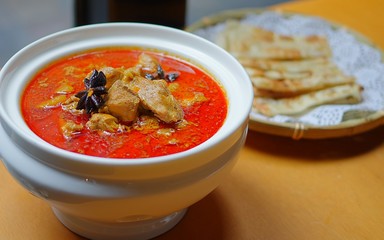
(279, 189)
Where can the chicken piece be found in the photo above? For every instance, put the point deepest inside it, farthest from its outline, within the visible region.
(70, 105)
(53, 102)
(167, 132)
(121, 103)
(155, 96)
(132, 72)
(64, 88)
(112, 75)
(146, 124)
(173, 87)
(104, 122)
(69, 128)
(150, 68)
(198, 97)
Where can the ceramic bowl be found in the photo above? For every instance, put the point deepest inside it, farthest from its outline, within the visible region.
(102, 198)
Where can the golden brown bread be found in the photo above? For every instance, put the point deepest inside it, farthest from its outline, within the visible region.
(288, 84)
(244, 40)
(348, 93)
(290, 74)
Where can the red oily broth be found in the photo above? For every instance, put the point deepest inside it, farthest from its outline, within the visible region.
(204, 118)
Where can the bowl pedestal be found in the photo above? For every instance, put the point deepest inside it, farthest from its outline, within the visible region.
(129, 230)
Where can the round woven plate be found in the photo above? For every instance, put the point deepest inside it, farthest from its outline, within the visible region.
(353, 122)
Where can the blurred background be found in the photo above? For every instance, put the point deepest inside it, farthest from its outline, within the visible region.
(22, 22)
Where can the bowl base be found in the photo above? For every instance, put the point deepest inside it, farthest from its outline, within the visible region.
(136, 230)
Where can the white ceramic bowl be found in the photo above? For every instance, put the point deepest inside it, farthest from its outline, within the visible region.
(103, 198)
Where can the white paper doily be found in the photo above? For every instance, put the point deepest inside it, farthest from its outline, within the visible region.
(354, 56)
(352, 52)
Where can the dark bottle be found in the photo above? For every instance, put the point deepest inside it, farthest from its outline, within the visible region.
(164, 12)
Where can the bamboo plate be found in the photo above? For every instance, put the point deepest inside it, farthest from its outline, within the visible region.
(353, 122)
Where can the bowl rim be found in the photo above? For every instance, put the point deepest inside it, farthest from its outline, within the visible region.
(19, 136)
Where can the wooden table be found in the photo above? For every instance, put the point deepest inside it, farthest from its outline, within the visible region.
(280, 188)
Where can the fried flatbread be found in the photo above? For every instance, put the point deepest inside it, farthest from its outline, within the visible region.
(244, 40)
(293, 66)
(292, 85)
(290, 74)
(348, 93)
(275, 74)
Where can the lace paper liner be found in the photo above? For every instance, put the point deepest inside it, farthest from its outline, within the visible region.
(353, 56)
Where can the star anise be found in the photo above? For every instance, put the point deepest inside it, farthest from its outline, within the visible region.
(91, 99)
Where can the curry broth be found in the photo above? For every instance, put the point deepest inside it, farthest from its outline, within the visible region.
(63, 78)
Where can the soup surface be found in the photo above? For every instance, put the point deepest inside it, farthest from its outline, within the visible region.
(80, 103)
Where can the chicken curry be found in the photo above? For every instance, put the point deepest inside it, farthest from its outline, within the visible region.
(123, 103)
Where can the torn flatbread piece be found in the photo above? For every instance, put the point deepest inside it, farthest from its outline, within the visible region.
(244, 40)
(290, 85)
(293, 66)
(343, 94)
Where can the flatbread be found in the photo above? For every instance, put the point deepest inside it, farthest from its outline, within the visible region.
(346, 94)
(291, 85)
(243, 40)
(294, 66)
(289, 74)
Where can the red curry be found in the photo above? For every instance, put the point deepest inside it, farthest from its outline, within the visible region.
(43, 99)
